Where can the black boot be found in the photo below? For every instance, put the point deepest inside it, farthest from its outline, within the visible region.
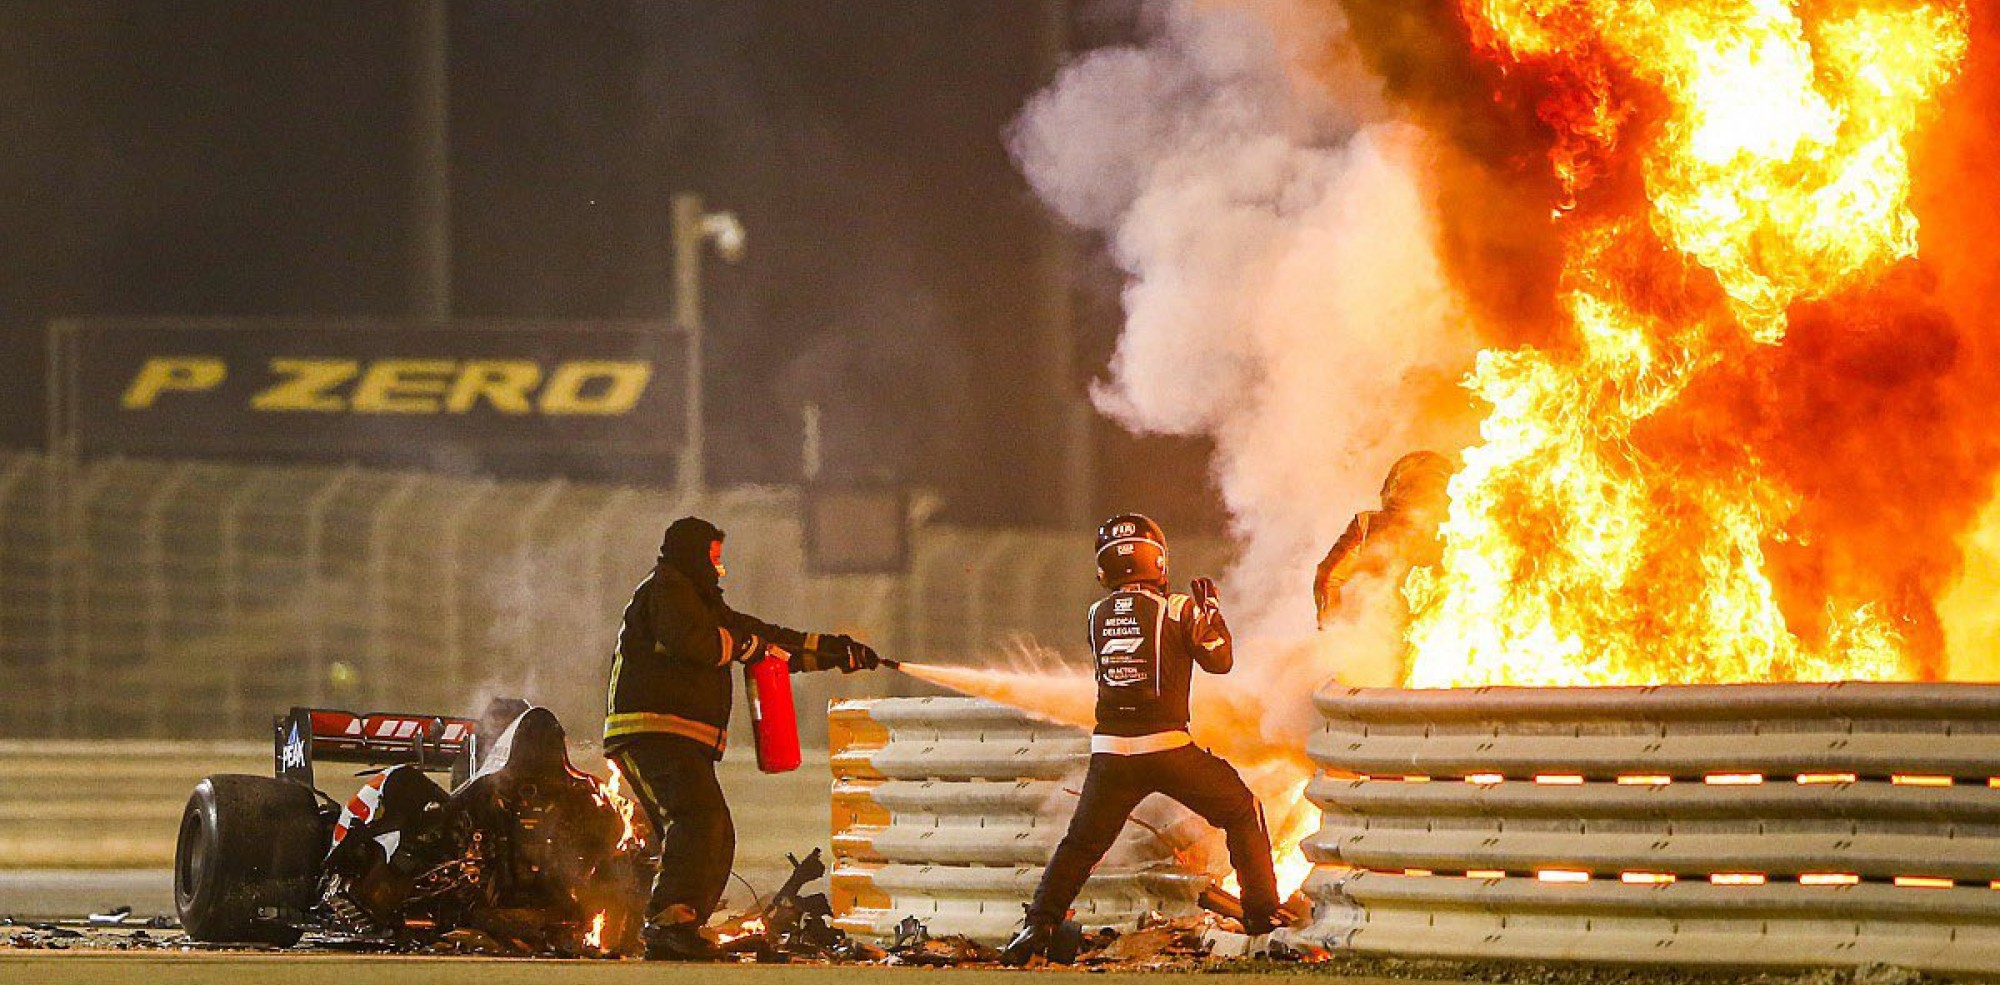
(679, 942)
(1032, 942)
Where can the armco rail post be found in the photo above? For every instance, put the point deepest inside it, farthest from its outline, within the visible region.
(1781, 825)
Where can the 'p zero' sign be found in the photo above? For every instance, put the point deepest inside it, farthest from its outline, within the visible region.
(331, 390)
(399, 386)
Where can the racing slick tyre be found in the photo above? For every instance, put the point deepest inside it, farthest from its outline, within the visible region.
(250, 848)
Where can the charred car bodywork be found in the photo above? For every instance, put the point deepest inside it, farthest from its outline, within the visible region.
(526, 850)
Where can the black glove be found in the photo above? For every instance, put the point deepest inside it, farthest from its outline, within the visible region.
(861, 656)
(1205, 593)
(849, 654)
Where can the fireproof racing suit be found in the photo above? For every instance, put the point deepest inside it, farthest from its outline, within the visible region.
(1147, 644)
(669, 701)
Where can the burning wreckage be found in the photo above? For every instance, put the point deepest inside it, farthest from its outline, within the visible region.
(524, 852)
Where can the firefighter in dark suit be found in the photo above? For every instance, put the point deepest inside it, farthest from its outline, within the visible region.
(1147, 641)
(668, 720)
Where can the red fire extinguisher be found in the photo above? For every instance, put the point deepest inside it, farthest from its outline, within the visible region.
(769, 685)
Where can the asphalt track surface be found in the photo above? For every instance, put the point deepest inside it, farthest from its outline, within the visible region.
(42, 968)
(47, 894)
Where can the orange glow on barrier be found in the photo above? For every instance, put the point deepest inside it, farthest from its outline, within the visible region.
(1924, 882)
(1829, 879)
(1502, 874)
(1916, 780)
(1559, 779)
(1485, 779)
(1561, 875)
(1733, 779)
(1817, 778)
(1737, 879)
(1646, 878)
(1645, 780)
(1417, 778)
(1418, 872)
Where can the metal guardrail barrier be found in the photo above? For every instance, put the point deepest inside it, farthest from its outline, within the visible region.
(945, 809)
(1781, 824)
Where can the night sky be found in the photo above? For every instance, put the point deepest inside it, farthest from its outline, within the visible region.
(252, 159)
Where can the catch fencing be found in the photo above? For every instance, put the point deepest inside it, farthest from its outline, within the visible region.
(160, 599)
(947, 809)
(1785, 824)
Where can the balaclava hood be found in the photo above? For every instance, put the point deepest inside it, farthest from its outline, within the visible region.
(685, 549)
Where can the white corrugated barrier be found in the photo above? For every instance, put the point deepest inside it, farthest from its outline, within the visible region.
(946, 809)
(1779, 824)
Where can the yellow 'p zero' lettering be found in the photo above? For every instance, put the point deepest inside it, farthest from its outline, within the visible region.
(615, 387)
(403, 386)
(504, 383)
(163, 373)
(306, 385)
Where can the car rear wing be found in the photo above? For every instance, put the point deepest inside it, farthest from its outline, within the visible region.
(435, 743)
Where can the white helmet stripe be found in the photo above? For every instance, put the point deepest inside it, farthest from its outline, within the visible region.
(1133, 540)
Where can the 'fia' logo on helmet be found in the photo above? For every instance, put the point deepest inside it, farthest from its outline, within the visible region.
(1124, 530)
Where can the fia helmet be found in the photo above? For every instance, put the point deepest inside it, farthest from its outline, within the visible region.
(1131, 549)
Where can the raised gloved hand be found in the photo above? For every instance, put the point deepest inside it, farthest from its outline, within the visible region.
(1205, 593)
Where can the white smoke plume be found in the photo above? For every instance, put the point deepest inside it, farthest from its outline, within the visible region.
(1283, 296)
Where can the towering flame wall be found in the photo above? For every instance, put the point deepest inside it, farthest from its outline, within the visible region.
(1639, 509)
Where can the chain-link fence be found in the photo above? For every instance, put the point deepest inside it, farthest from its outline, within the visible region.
(185, 599)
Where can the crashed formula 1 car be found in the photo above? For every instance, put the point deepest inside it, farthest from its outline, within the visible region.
(524, 851)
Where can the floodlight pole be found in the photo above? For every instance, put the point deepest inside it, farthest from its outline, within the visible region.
(430, 171)
(692, 229)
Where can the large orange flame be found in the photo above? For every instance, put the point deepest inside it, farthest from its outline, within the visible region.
(611, 792)
(1721, 161)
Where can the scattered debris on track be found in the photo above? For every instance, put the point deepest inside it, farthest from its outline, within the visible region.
(792, 926)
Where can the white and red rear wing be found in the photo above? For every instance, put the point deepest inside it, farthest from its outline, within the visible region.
(337, 734)
(309, 735)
